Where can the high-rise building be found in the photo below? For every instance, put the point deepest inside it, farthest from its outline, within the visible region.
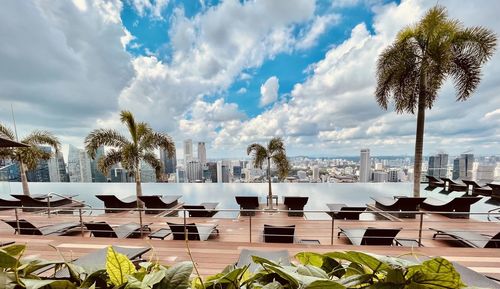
(10, 172)
(169, 164)
(364, 166)
(485, 173)
(438, 166)
(97, 176)
(379, 177)
(225, 173)
(188, 151)
(315, 171)
(85, 168)
(202, 153)
(465, 165)
(394, 175)
(41, 172)
(79, 169)
(117, 174)
(212, 168)
(57, 168)
(193, 171)
(181, 174)
(148, 174)
(456, 169)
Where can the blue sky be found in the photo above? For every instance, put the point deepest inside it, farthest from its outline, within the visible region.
(231, 73)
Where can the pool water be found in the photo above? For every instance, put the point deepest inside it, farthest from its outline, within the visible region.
(320, 194)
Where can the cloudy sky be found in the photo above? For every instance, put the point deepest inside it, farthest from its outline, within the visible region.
(232, 72)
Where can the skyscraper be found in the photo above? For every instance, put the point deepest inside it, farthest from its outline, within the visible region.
(97, 176)
(212, 168)
(169, 164)
(202, 153)
(193, 171)
(315, 175)
(79, 169)
(456, 169)
(438, 165)
(41, 172)
(364, 166)
(465, 165)
(188, 151)
(57, 168)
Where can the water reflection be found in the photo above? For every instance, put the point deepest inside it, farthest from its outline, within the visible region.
(357, 194)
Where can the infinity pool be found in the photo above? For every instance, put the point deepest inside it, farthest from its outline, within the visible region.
(356, 194)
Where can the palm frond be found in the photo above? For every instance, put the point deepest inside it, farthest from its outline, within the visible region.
(281, 162)
(127, 118)
(259, 154)
(103, 137)
(130, 156)
(7, 132)
(154, 162)
(40, 137)
(32, 155)
(275, 145)
(109, 159)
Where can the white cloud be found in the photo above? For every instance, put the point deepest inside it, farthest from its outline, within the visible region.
(242, 91)
(155, 7)
(269, 91)
(318, 26)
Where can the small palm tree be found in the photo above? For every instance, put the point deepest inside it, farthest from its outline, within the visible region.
(129, 152)
(28, 157)
(276, 153)
(423, 56)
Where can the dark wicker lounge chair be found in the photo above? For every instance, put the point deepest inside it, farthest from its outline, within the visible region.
(3, 244)
(159, 203)
(456, 205)
(280, 257)
(115, 205)
(247, 203)
(96, 260)
(9, 204)
(469, 239)
(279, 234)
(27, 228)
(295, 205)
(399, 204)
(495, 190)
(478, 189)
(40, 202)
(195, 232)
(206, 210)
(104, 230)
(344, 212)
(435, 182)
(370, 236)
(454, 186)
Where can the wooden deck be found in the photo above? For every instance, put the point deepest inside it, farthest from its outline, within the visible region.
(213, 255)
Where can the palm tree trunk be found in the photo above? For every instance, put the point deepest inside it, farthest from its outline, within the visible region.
(270, 196)
(419, 144)
(24, 179)
(138, 187)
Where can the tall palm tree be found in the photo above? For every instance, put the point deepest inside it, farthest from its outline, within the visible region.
(422, 57)
(28, 157)
(275, 153)
(129, 152)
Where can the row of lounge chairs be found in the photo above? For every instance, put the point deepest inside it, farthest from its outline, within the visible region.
(38, 201)
(487, 189)
(294, 204)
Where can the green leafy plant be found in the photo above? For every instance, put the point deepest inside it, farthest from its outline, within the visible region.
(335, 270)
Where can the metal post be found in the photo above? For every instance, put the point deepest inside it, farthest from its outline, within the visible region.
(420, 230)
(17, 222)
(185, 229)
(48, 206)
(333, 226)
(250, 228)
(140, 221)
(81, 221)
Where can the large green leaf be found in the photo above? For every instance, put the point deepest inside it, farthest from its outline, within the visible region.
(14, 250)
(118, 267)
(177, 277)
(8, 280)
(355, 280)
(361, 258)
(7, 261)
(436, 273)
(310, 258)
(98, 278)
(53, 284)
(309, 270)
(324, 284)
(273, 285)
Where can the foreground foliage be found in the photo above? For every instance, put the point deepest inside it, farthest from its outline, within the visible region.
(336, 270)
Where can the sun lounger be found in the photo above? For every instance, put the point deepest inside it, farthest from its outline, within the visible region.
(469, 239)
(157, 204)
(247, 203)
(399, 204)
(477, 189)
(104, 230)
(40, 202)
(116, 205)
(280, 257)
(495, 190)
(27, 228)
(435, 182)
(6, 204)
(454, 186)
(279, 234)
(370, 236)
(96, 260)
(344, 212)
(295, 205)
(203, 210)
(457, 205)
(195, 232)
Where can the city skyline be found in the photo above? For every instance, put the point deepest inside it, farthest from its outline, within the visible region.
(307, 76)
